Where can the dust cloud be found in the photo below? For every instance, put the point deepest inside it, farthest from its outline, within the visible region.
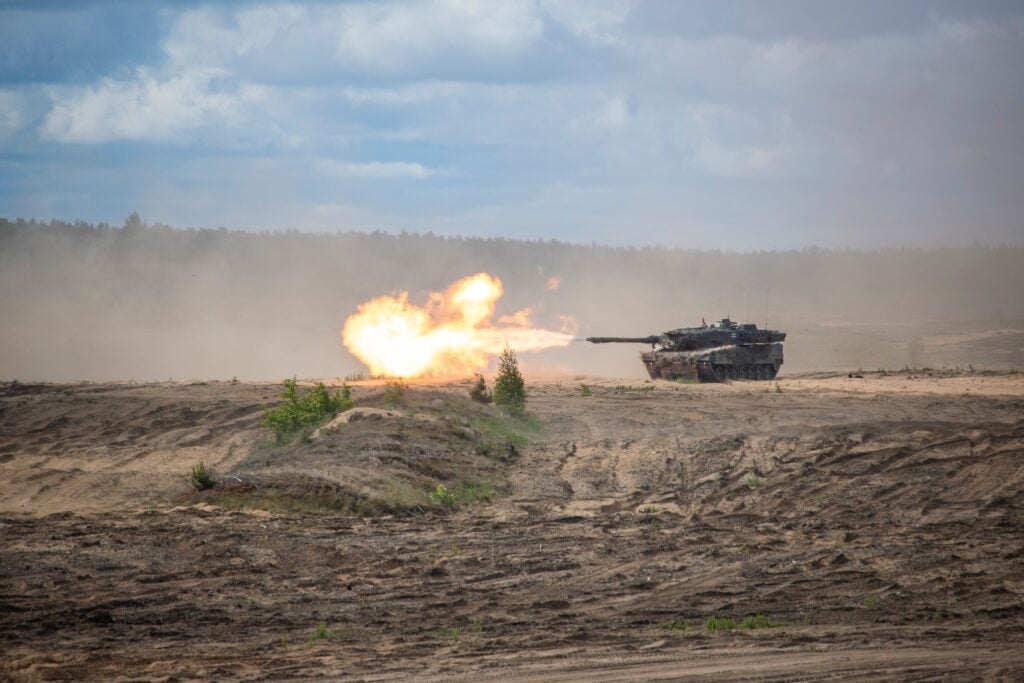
(140, 302)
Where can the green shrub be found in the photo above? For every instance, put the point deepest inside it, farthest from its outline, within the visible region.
(443, 497)
(478, 392)
(754, 482)
(585, 390)
(719, 624)
(202, 477)
(296, 411)
(509, 387)
(394, 392)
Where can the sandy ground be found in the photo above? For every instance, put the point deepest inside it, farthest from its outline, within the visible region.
(875, 520)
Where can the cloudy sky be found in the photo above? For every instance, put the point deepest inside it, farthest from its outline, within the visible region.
(741, 125)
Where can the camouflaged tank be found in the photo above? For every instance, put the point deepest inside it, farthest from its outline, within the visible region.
(710, 353)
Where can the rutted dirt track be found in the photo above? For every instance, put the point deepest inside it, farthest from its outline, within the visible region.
(877, 521)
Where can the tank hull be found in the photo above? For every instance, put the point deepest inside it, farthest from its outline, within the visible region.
(756, 362)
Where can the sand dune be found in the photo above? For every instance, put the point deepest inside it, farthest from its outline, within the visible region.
(874, 521)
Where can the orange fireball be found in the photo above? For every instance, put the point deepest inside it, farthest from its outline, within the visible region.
(453, 335)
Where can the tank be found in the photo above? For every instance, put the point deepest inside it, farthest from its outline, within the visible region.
(710, 353)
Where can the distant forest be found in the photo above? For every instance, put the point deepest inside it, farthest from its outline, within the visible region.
(141, 301)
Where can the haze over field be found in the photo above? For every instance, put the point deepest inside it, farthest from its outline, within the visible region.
(136, 302)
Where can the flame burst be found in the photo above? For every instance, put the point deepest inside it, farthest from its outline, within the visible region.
(453, 335)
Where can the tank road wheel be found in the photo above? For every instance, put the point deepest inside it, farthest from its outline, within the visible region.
(750, 372)
(763, 372)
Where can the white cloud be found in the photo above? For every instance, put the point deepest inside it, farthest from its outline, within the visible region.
(377, 169)
(598, 21)
(11, 116)
(398, 37)
(144, 107)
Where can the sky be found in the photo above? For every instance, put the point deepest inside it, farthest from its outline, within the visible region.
(743, 125)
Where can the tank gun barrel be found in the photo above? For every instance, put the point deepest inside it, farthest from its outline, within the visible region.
(653, 339)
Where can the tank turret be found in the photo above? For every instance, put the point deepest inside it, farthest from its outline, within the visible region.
(710, 353)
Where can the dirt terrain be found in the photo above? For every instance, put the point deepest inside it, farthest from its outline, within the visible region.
(873, 524)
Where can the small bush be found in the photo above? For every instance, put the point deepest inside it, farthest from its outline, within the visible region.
(585, 390)
(509, 387)
(478, 392)
(754, 482)
(649, 510)
(719, 624)
(296, 412)
(778, 389)
(355, 377)
(394, 392)
(202, 477)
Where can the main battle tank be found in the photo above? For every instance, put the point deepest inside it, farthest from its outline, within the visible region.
(710, 353)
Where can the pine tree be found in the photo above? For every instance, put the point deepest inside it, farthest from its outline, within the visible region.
(509, 388)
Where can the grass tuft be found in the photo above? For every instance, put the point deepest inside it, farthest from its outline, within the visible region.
(675, 625)
(460, 495)
(321, 632)
(714, 624)
(756, 621)
(623, 389)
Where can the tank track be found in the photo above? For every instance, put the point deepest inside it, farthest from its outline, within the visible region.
(722, 373)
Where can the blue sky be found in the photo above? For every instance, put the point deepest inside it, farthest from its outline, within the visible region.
(745, 125)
